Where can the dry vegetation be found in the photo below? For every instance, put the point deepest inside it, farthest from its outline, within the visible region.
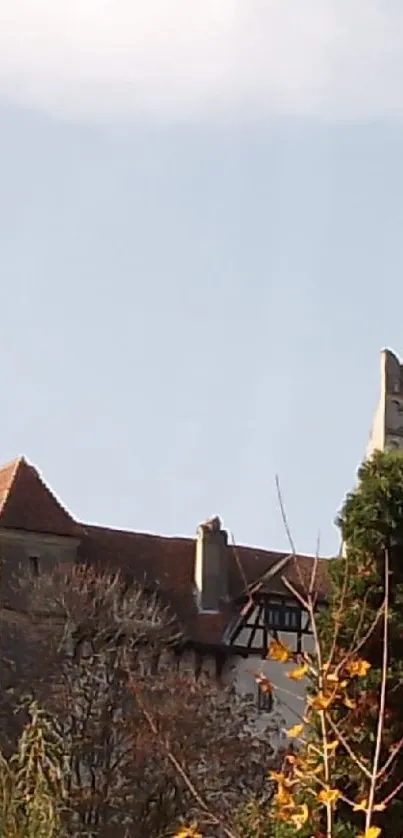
(146, 745)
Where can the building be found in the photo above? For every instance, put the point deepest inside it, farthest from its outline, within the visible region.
(230, 600)
(387, 427)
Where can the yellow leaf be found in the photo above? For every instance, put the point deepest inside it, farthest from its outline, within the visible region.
(331, 746)
(300, 816)
(317, 769)
(361, 805)
(283, 796)
(358, 667)
(331, 676)
(371, 832)
(328, 796)
(278, 651)
(349, 702)
(188, 832)
(298, 673)
(295, 731)
(320, 702)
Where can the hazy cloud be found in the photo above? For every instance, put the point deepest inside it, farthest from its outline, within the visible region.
(189, 58)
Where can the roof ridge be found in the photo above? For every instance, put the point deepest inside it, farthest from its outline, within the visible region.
(20, 476)
(15, 465)
(51, 492)
(142, 533)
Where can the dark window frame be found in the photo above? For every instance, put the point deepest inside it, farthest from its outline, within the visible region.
(280, 616)
(274, 615)
(34, 565)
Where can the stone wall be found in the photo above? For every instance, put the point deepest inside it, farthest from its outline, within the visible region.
(24, 554)
(288, 695)
(387, 427)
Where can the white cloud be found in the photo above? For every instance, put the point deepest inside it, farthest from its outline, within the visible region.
(189, 58)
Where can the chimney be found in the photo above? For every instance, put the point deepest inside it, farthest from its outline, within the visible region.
(211, 566)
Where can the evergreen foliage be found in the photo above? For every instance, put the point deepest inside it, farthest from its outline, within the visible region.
(347, 779)
(32, 782)
(371, 524)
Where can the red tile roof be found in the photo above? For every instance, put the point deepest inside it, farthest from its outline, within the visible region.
(156, 560)
(169, 562)
(27, 503)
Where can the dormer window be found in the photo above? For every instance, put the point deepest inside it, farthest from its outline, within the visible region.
(265, 616)
(34, 565)
(285, 617)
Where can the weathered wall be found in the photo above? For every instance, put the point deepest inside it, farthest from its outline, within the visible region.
(288, 695)
(19, 548)
(211, 565)
(387, 428)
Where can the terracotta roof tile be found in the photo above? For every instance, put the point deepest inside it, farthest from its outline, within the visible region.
(169, 563)
(26, 503)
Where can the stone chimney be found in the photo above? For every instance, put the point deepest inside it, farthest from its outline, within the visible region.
(211, 565)
(387, 428)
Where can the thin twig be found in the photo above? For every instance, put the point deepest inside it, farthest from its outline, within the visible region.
(322, 716)
(178, 768)
(339, 614)
(309, 606)
(336, 730)
(240, 566)
(392, 794)
(382, 698)
(353, 650)
(304, 602)
(288, 532)
(398, 747)
(353, 647)
(284, 516)
(314, 573)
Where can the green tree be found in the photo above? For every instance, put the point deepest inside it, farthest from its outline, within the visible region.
(371, 524)
(32, 782)
(346, 778)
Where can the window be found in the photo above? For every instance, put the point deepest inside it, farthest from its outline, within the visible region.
(280, 616)
(34, 565)
(291, 619)
(264, 700)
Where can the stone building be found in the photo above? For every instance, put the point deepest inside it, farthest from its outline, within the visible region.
(387, 427)
(230, 600)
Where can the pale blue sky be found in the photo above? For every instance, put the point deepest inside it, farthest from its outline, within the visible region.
(191, 304)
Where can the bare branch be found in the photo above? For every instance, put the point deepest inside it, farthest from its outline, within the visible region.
(382, 697)
(284, 516)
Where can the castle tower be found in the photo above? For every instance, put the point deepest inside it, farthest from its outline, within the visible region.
(387, 428)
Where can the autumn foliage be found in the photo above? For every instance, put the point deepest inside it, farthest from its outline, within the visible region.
(344, 778)
(141, 748)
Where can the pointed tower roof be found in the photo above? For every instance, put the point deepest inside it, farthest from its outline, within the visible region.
(26, 503)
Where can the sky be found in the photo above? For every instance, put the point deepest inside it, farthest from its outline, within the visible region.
(201, 213)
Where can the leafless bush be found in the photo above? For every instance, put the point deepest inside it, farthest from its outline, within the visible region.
(147, 743)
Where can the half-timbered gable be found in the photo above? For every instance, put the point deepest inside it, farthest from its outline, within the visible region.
(230, 600)
(268, 610)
